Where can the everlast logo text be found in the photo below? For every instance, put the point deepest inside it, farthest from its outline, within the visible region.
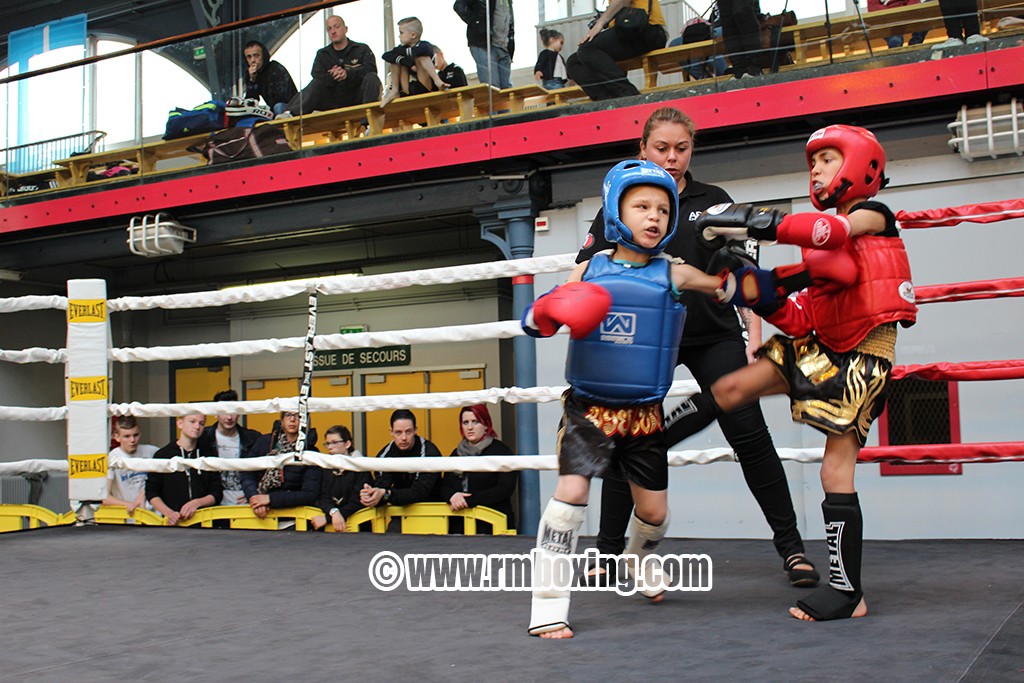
(87, 311)
(88, 388)
(87, 466)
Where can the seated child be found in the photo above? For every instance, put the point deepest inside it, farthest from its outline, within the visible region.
(411, 57)
(622, 307)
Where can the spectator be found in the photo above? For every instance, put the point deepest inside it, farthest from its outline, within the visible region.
(344, 74)
(178, 495)
(450, 73)
(593, 65)
(464, 490)
(492, 53)
(961, 20)
(896, 39)
(228, 439)
(281, 487)
(401, 488)
(339, 494)
(125, 487)
(550, 67)
(267, 79)
(412, 56)
(741, 31)
(695, 31)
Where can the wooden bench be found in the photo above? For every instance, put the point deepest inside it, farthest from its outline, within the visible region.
(10, 182)
(429, 109)
(74, 170)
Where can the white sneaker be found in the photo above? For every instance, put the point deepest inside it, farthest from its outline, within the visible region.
(951, 42)
(1010, 22)
(976, 38)
(283, 115)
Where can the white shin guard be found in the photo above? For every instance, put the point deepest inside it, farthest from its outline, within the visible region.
(643, 540)
(557, 535)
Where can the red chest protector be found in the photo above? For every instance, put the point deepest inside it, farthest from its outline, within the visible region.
(882, 294)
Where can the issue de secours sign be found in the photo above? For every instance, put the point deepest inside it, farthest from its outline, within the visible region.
(354, 359)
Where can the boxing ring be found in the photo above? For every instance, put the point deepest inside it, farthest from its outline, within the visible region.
(939, 610)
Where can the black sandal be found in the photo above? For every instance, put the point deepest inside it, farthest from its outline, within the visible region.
(828, 604)
(601, 574)
(801, 578)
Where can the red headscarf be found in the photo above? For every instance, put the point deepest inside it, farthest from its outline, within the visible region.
(482, 416)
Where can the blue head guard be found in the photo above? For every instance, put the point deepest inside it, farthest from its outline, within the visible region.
(623, 176)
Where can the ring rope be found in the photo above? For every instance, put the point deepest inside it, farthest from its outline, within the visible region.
(920, 453)
(969, 291)
(974, 371)
(33, 303)
(341, 284)
(988, 212)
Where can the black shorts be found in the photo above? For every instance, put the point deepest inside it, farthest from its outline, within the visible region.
(833, 392)
(628, 439)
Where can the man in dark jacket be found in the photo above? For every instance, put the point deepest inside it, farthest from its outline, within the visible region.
(493, 65)
(403, 488)
(267, 79)
(281, 487)
(344, 74)
(228, 439)
(178, 495)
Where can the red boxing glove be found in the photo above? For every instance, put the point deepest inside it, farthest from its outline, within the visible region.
(828, 270)
(580, 305)
(813, 230)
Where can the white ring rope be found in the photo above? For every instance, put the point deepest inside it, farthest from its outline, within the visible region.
(33, 303)
(323, 342)
(35, 355)
(341, 284)
(19, 414)
(478, 463)
(365, 404)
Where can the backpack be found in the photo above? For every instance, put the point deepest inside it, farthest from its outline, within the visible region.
(202, 119)
(235, 144)
(696, 30)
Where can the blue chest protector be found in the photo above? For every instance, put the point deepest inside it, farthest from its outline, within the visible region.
(630, 358)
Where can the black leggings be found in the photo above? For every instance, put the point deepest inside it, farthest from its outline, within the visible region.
(746, 432)
(960, 18)
(593, 65)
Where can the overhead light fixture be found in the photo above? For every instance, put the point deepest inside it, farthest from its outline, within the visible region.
(10, 275)
(158, 235)
(989, 131)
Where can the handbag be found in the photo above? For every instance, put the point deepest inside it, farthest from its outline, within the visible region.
(633, 21)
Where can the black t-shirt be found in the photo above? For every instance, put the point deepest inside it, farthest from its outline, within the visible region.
(878, 207)
(706, 320)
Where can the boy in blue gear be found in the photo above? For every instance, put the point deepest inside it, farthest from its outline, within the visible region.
(622, 308)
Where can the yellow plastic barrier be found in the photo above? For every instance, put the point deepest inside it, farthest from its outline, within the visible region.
(20, 517)
(242, 517)
(429, 518)
(118, 514)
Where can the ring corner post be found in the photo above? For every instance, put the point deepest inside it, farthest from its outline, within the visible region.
(87, 395)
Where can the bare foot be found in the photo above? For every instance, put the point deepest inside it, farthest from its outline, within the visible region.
(655, 599)
(390, 95)
(562, 633)
(860, 611)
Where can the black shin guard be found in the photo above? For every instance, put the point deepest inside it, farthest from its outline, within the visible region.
(844, 533)
(689, 417)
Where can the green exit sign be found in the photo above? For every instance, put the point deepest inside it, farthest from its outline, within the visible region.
(351, 329)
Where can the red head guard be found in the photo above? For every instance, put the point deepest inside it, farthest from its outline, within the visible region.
(862, 173)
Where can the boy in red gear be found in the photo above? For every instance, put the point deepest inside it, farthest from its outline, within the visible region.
(854, 286)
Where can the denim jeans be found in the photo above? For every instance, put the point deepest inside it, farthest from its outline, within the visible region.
(501, 62)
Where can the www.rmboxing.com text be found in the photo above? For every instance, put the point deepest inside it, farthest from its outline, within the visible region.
(437, 572)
